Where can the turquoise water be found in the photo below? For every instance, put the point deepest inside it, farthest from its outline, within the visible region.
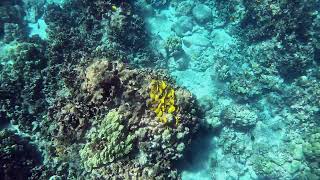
(166, 89)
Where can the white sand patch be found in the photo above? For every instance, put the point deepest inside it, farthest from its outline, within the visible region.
(38, 28)
(199, 83)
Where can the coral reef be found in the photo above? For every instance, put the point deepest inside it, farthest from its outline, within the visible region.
(118, 124)
(173, 46)
(289, 23)
(22, 84)
(70, 37)
(71, 120)
(84, 97)
(108, 142)
(57, 91)
(184, 8)
(267, 19)
(230, 11)
(311, 150)
(202, 13)
(109, 29)
(239, 116)
(183, 25)
(233, 142)
(103, 82)
(127, 29)
(158, 3)
(12, 26)
(19, 158)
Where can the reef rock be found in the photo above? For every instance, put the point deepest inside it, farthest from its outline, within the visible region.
(239, 116)
(202, 13)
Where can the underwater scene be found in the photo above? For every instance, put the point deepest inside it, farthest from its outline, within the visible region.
(159, 89)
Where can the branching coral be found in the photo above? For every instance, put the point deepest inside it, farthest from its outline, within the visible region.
(163, 101)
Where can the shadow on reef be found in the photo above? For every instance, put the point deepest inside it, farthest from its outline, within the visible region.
(198, 153)
(18, 158)
(12, 24)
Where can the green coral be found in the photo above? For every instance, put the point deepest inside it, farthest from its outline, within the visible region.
(311, 150)
(312, 147)
(266, 166)
(106, 143)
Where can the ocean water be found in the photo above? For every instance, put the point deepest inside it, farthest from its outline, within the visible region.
(160, 89)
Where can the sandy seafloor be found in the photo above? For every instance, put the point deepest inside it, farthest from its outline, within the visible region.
(255, 76)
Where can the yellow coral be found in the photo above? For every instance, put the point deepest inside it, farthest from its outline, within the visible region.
(163, 101)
